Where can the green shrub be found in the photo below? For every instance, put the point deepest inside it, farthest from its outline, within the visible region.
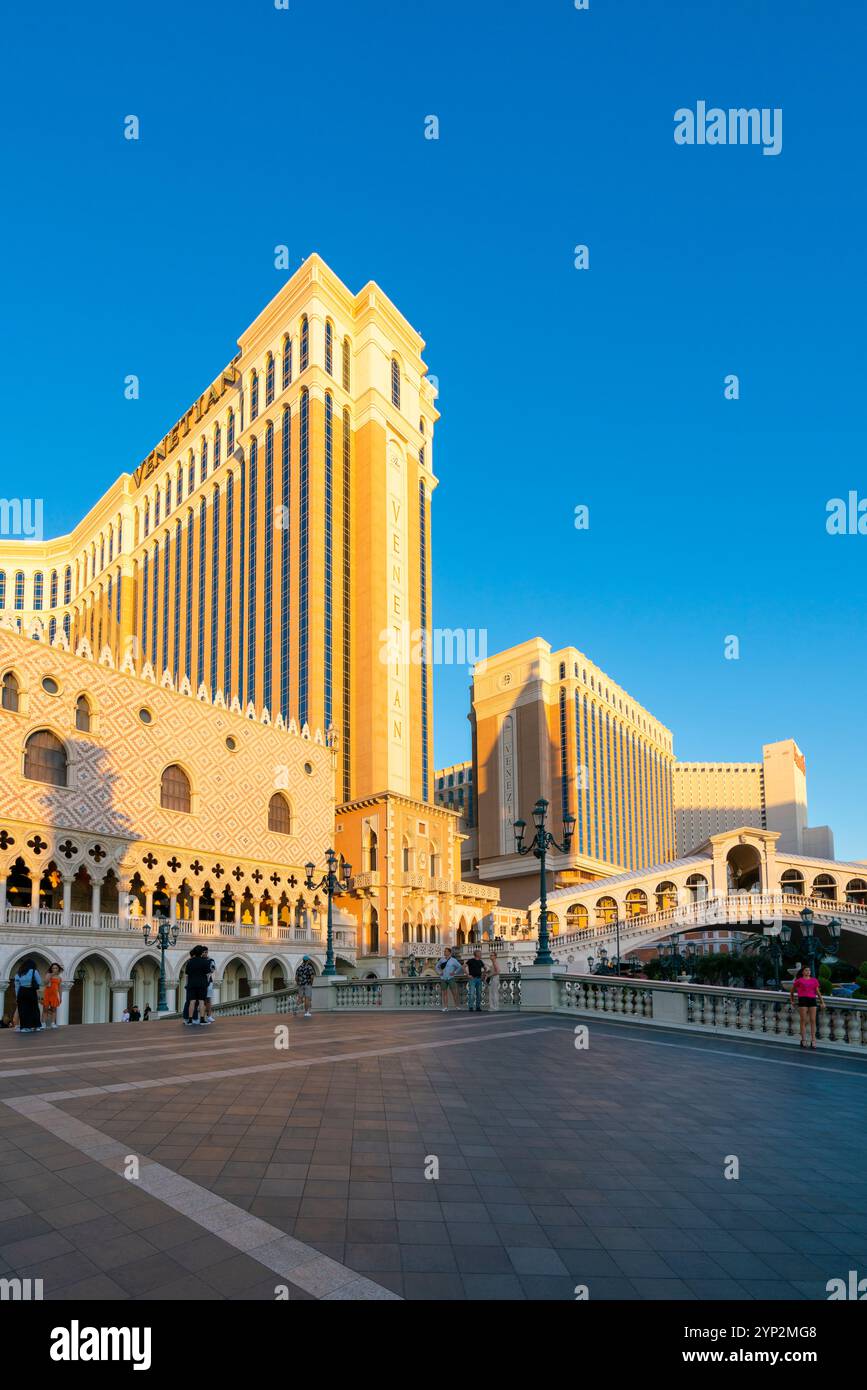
(861, 992)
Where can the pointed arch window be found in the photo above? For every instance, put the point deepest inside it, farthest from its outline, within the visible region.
(10, 692)
(279, 815)
(395, 382)
(346, 374)
(218, 440)
(254, 395)
(82, 714)
(175, 791)
(45, 759)
(180, 481)
(230, 433)
(287, 361)
(203, 471)
(329, 347)
(269, 378)
(304, 351)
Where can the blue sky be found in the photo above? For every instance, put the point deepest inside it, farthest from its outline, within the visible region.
(557, 387)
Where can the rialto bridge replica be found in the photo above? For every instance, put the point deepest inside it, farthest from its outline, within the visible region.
(125, 802)
(734, 884)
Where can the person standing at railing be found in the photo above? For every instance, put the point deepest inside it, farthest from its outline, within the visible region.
(494, 983)
(27, 985)
(476, 972)
(806, 987)
(448, 968)
(304, 977)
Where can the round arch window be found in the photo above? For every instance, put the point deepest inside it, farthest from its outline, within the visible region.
(175, 790)
(45, 759)
(279, 815)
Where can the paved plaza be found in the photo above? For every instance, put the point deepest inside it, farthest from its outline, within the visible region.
(301, 1172)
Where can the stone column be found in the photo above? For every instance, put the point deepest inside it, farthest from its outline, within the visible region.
(66, 915)
(119, 991)
(3, 898)
(34, 899)
(195, 897)
(123, 903)
(149, 903)
(237, 911)
(173, 908)
(275, 921)
(95, 894)
(171, 999)
(216, 994)
(256, 986)
(62, 1015)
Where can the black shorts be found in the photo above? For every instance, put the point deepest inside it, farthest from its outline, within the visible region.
(196, 996)
(808, 1003)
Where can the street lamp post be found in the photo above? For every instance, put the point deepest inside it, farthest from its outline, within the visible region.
(813, 944)
(539, 845)
(334, 887)
(165, 934)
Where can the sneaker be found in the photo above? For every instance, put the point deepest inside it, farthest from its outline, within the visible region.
(445, 1011)
(206, 1021)
(308, 1014)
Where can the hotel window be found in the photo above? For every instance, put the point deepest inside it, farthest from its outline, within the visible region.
(45, 759)
(562, 675)
(176, 645)
(66, 626)
(230, 434)
(252, 574)
(215, 583)
(268, 573)
(287, 361)
(395, 382)
(304, 349)
(2, 588)
(346, 360)
(82, 715)
(269, 378)
(144, 604)
(156, 507)
(154, 606)
(38, 583)
(180, 481)
(254, 395)
(67, 585)
(191, 474)
(329, 498)
(52, 590)
(285, 592)
(242, 544)
(52, 629)
(147, 518)
(422, 562)
(111, 542)
(329, 347)
(227, 581)
(203, 541)
(164, 658)
(19, 590)
(101, 554)
(303, 557)
(168, 511)
(175, 794)
(347, 601)
(10, 692)
(279, 815)
(203, 470)
(217, 445)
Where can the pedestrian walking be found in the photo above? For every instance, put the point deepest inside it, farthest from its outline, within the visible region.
(448, 968)
(806, 987)
(209, 992)
(147, 1013)
(27, 985)
(494, 983)
(476, 972)
(52, 994)
(197, 986)
(304, 977)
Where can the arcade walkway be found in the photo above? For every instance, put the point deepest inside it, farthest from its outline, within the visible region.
(303, 1169)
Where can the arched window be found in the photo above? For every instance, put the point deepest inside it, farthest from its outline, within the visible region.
(304, 352)
(218, 439)
(576, 917)
(346, 355)
(10, 691)
(45, 758)
(287, 361)
(434, 861)
(191, 473)
(254, 395)
(792, 881)
(2, 588)
(156, 507)
(230, 433)
(269, 378)
(407, 856)
(19, 590)
(279, 815)
(82, 714)
(606, 911)
(372, 851)
(203, 470)
(395, 382)
(67, 585)
(825, 886)
(175, 789)
(147, 518)
(329, 347)
(38, 584)
(52, 590)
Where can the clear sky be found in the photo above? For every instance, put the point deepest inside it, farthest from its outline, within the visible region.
(558, 387)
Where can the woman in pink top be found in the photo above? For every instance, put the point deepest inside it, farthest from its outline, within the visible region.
(806, 986)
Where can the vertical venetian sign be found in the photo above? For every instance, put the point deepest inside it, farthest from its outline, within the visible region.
(398, 617)
(508, 787)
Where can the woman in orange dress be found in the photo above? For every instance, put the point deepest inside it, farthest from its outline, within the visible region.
(51, 995)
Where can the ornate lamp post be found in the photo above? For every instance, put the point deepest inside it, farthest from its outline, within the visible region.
(164, 934)
(334, 888)
(813, 944)
(539, 845)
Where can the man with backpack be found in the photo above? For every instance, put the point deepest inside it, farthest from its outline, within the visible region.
(304, 977)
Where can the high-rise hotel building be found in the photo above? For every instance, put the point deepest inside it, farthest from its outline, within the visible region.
(553, 725)
(269, 542)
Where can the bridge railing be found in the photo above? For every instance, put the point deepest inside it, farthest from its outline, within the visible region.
(709, 1008)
